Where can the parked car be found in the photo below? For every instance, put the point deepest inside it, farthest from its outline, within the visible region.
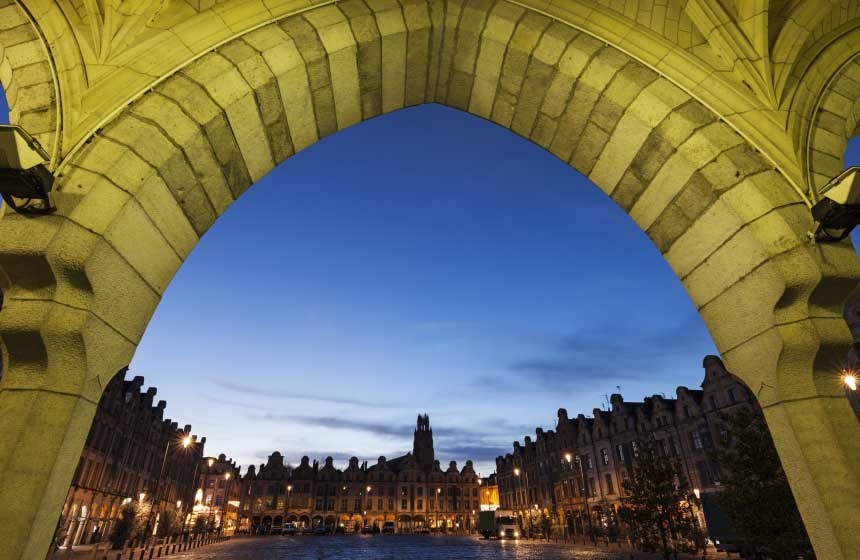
(367, 530)
(307, 530)
(289, 529)
(388, 527)
(422, 531)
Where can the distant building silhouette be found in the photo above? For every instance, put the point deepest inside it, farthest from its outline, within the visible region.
(412, 491)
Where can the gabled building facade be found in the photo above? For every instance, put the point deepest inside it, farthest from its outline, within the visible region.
(132, 453)
(412, 491)
(585, 460)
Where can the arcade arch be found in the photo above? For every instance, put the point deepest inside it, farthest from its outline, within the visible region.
(140, 183)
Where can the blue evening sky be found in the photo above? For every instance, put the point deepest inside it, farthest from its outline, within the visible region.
(423, 261)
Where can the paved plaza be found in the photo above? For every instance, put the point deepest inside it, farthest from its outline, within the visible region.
(396, 547)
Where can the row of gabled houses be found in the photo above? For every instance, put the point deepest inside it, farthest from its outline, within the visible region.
(574, 474)
(133, 453)
(412, 492)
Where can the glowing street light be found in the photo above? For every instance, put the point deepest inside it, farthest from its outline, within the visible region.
(142, 496)
(697, 493)
(850, 380)
(568, 457)
(517, 472)
(210, 462)
(226, 476)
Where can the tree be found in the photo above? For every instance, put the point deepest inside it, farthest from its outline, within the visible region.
(200, 524)
(655, 504)
(124, 526)
(756, 496)
(169, 523)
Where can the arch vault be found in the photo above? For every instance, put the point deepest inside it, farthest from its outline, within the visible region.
(712, 127)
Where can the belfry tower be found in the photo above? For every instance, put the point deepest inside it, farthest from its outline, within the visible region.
(422, 444)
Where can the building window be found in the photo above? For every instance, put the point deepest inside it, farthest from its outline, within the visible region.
(610, 488)
(403, 503)
(319, 505)
(635, 447)
(420, 490)
(696, 438)
(343, 505)
(379, 503)
(604, 456)
(588, 463)
(619, 452)
(420, 504)
(218, 500)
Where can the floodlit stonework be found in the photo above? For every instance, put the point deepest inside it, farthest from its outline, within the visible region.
(712, 124)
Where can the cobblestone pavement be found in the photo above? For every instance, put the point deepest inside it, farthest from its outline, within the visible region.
(392, 547)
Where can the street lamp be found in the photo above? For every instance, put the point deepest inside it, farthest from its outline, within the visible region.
(585, 495)
(850, 380)
(289, 500)
(25, 179)
(184, 443)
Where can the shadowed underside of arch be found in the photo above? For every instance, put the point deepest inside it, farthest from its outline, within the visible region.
(82, 284)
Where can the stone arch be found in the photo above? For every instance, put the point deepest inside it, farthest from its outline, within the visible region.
(835, 121)
(28, 77)
(134, 201)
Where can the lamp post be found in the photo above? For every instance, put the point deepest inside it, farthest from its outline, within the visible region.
(223, 513)
(585, 492)
(184, 442)
(369, 505)
(289, 500)
(527, 499)
(438, 497)
(187, 439)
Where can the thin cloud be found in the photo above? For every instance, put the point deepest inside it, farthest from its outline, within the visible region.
(604, 352)
(295, 395)
(340, 423)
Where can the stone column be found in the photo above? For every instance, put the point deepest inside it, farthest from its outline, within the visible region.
(59, 350)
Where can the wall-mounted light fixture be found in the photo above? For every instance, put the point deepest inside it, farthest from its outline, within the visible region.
(25, 180)
(838, 211)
